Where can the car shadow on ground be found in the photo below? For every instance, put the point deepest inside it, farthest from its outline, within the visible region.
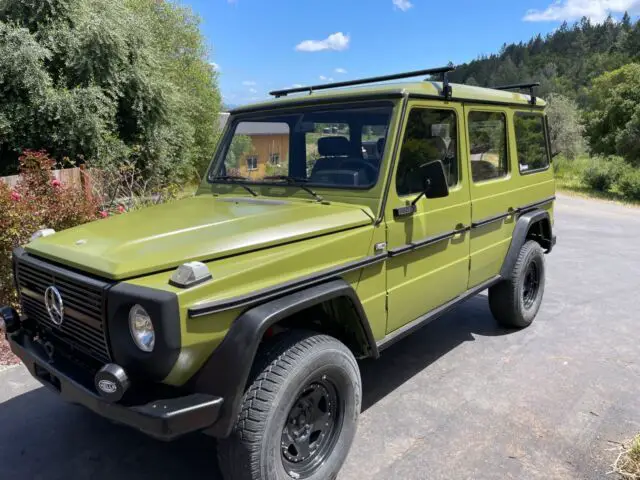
(42, 437)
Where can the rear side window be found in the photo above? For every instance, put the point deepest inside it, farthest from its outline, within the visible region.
(430, 135)
(488, 145)
(532, 144)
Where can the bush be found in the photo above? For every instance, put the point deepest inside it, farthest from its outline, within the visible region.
(38, 201)
(629, 185)
(604, 173)
(107, 79)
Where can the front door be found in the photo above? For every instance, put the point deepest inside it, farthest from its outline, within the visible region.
(429, 248)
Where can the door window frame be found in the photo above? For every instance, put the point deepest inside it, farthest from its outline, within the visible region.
(457, 114)
(547, 141)
(507, 131)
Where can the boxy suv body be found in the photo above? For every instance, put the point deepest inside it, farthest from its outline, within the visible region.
(328, 227)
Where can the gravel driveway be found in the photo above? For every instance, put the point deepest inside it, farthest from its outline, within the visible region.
(459, 399)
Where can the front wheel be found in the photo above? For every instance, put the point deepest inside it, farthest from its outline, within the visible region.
(299, 413)
(515, 301)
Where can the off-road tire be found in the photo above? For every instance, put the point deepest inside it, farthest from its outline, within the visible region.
(284, 366)
(508, 300)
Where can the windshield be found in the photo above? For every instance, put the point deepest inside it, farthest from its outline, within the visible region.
(320, 146)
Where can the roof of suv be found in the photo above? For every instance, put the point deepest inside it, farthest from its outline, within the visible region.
(425, 89)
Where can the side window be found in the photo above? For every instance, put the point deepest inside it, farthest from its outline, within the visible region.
(430, 135)
(488, 145)
(531, 141)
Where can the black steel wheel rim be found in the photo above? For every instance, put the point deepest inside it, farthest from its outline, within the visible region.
(312, 428)
(531, 285)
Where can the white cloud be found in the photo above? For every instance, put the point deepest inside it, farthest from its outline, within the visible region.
(595, 10)
(340, 70)
(326, 79)
(249, 83)
(403, 5)
(336, 41)
(253, 90)
(215, 66)
(296, 85)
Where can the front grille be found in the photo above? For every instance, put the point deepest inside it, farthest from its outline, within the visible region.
(83, 326)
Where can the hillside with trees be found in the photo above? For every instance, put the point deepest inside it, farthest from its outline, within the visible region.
(564, 62)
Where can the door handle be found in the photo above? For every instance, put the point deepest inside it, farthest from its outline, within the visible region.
(460, 230)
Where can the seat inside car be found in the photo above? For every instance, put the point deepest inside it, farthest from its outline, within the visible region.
(333, 151)
(338, 164)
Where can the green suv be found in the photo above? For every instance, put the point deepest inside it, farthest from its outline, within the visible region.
(329, 226)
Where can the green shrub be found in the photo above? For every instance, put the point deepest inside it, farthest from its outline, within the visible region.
(629, 185)
(604, 173)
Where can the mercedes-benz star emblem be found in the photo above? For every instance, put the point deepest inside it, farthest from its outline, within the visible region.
(54, 304)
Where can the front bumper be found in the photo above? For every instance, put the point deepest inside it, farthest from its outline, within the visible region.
(163, 419)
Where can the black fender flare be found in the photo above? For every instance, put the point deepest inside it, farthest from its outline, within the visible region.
(520, 232)
(227, 370)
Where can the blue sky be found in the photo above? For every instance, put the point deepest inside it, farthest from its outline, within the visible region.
(261, 45)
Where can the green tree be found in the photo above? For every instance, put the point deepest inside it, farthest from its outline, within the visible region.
(565, 129)
(613, 118)
(107, 81)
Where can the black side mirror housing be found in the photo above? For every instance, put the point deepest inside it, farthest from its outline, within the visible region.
(435, 180)
(434, 186)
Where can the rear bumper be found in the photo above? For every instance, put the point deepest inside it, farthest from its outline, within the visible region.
(163, 419)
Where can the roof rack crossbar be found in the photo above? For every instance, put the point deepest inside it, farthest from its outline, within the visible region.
(432, 71)
(522, 86)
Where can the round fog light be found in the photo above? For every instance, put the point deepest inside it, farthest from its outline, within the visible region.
(141, 328)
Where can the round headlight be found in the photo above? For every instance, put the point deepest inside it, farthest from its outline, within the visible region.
(141, 328)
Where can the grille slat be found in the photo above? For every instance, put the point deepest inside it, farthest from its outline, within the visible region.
(93, 300)
(83, 325)
(71, 334)
(69, 326)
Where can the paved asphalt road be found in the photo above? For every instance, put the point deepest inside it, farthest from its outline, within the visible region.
(459, 399)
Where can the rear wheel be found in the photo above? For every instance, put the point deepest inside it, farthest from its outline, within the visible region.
(299, 413)
(515, 301)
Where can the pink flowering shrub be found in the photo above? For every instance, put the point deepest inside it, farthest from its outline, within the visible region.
(37, 201)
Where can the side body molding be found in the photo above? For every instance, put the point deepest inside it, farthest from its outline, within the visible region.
(227, 370)
(523, 225)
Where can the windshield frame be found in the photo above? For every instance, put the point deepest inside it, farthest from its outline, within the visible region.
(293, 109)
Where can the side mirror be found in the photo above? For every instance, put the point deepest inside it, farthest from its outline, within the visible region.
(434, 181)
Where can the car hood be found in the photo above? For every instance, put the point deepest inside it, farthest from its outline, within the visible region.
(200, 228)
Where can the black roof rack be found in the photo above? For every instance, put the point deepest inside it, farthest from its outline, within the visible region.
(522, 86)
(446, 91)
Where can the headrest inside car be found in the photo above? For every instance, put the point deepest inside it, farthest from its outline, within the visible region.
(334, 146)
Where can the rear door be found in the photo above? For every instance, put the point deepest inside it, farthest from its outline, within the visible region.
(493, 194)
(430, 248)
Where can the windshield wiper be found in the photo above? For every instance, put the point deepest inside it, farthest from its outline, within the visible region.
(234, 179)
(296, 182)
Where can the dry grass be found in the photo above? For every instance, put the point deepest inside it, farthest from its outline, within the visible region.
(627, 465)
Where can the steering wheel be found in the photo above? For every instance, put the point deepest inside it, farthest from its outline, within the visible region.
(360, 165)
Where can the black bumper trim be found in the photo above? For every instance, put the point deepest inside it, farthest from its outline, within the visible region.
(164, 419)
